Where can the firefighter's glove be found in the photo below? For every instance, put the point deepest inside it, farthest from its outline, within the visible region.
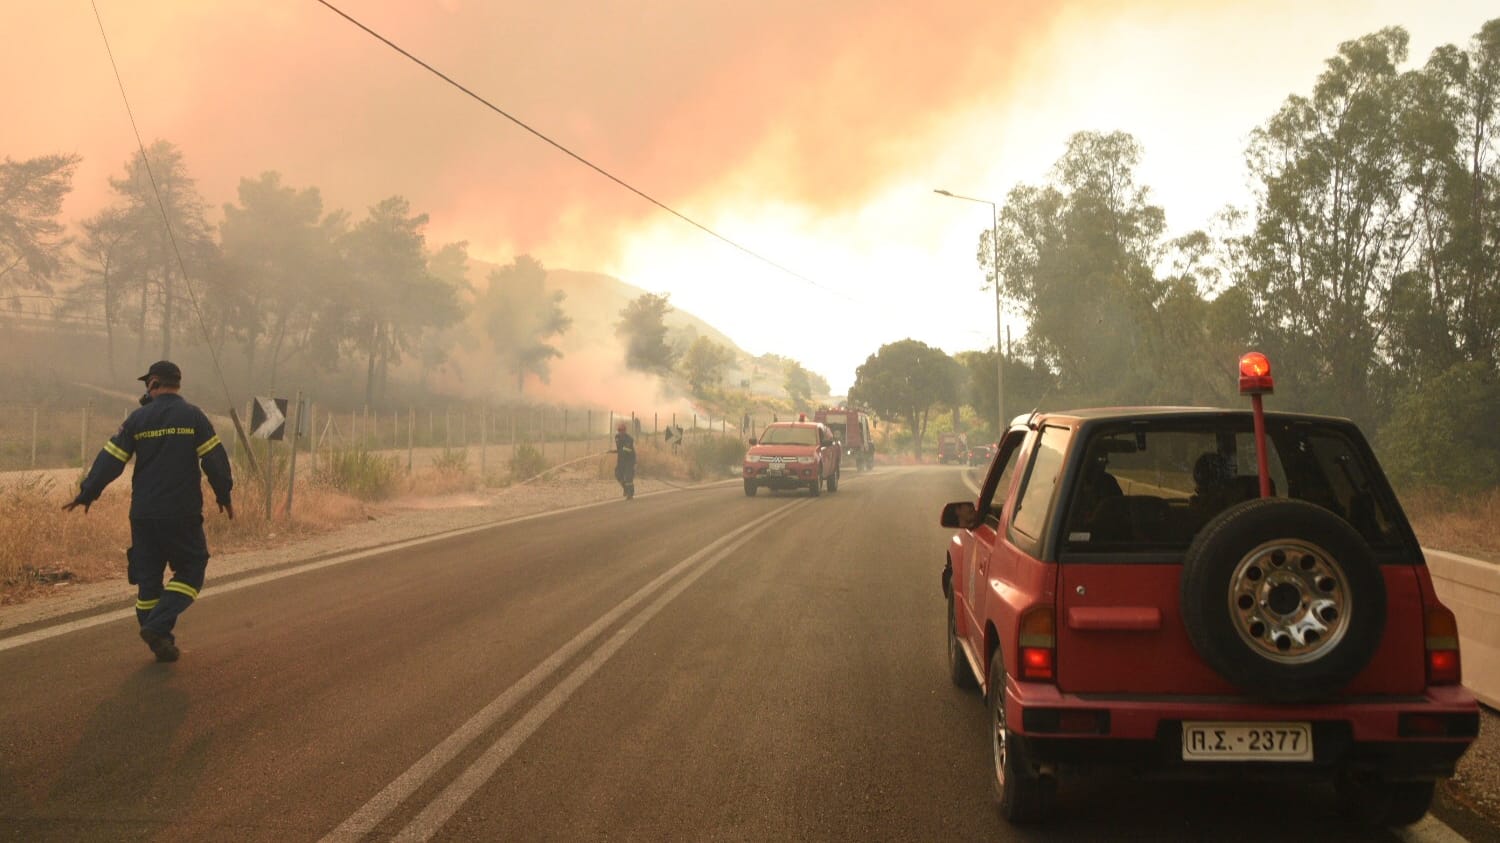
(227, 509)
(69, 507)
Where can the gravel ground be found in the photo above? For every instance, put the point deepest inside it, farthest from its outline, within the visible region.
(1476, 787)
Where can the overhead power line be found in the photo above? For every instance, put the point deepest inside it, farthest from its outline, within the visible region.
(571, 154)
(166, 222)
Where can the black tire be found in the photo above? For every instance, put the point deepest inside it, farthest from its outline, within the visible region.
(833, 482)
(750, 488)
(816, 486)
(1265, 554)
(958, 664)
(1021, 794)
(1376, 803)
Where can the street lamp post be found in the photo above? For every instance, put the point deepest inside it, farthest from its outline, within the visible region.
(999, 329)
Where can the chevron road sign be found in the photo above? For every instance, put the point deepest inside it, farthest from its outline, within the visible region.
(268, 418)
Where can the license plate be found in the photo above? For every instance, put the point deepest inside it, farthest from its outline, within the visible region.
(776, 469)
(1240, 741)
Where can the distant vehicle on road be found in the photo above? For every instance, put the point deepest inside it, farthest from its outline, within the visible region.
(982, 454)
(1203, 593)
(852, 428)
(952, 447)
(793, 455)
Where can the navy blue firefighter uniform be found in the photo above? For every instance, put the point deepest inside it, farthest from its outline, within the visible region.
(625, 463)
(169, 438)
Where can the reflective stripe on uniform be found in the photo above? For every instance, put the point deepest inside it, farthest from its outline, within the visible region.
(182, 588)
(146, 605)
(213, 442)
(116, 451)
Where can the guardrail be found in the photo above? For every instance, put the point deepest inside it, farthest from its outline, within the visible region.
(1471, 588)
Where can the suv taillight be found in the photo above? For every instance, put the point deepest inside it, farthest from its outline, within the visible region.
(1443, 665)
(1038, 644)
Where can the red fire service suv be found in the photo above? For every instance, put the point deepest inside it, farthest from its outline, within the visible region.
(1195, 593)
(793, 455)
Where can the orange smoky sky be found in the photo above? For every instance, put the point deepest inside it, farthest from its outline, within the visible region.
(816, 103)
(811, 133)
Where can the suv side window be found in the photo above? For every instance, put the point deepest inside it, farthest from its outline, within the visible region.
(1034, 498)
(1010, 448)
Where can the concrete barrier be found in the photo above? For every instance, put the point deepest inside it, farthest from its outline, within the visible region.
(1471, 588)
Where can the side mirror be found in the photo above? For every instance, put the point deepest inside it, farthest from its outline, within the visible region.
(752, 441)
(961, 514)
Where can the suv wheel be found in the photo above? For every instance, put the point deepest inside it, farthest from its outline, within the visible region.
(1021, 794)
(1376, 803)
(958, 664)
(816, 486)
(750, 488)
(1283, 598)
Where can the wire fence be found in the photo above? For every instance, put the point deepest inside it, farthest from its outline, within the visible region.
(49, 436)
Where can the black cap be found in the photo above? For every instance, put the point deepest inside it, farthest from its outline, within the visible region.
(163, 369)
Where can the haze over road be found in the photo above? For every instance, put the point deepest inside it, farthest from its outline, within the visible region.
(693, 665)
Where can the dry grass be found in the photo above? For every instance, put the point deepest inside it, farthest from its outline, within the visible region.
(41, 545)
(1457, 523)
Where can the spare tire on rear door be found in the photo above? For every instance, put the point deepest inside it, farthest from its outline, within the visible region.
(1283, 598)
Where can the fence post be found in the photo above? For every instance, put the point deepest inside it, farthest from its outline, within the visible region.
(291, 481)
(83, 436)
(411, 425)
(484, 425)
(312, 434)
(34, 412)
(447, 428)
(565, 435)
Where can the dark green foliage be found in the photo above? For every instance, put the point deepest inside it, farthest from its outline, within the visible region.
(527, 463)
(31, 237)
(904, 380)
(522, 317)
(709, 457)
(643, 327)
(1442, 433)
(361, 473)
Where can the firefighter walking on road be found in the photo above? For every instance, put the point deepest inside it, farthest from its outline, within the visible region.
(169, 439)
(625, 462)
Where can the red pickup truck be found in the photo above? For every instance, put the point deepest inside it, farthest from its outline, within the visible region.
(793, 455)
(1203, 593)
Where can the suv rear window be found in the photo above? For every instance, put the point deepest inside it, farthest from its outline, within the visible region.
(1153, 485)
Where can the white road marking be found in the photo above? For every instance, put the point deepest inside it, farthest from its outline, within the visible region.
(45, 633)
(372, 813)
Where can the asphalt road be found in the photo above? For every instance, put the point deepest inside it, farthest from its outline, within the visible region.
(688, 666)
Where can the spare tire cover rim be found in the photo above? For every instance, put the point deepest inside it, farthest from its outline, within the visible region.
(1290, 601)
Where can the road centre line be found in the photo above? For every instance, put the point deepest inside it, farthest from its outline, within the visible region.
(45, 633)
(440, 810)
(372, 813)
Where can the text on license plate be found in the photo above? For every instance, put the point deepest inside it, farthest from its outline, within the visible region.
(1241, 741)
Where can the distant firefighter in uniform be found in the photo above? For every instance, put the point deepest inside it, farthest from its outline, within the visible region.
(625, 462)
(169, 439)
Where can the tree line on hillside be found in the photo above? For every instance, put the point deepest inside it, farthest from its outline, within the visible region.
(283, 281)
(1368, 271)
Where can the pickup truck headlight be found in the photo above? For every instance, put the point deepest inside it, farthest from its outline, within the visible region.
(752, 458)
(807, 460)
